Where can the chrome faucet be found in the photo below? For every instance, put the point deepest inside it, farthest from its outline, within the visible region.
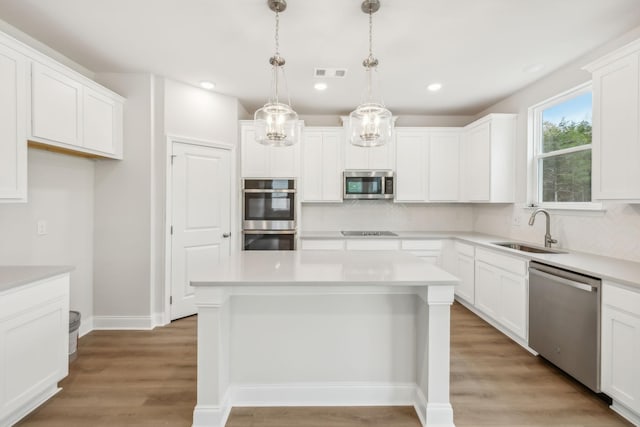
(547, 237)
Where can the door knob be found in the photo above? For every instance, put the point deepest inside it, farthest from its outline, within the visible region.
(226, 235)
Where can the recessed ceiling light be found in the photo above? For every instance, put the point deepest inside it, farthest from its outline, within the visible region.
(434, 87)
(320, 86)
(207, 85)
(533, 68)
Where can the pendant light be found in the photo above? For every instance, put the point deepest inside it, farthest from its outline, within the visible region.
(276, 122)
(370, 124)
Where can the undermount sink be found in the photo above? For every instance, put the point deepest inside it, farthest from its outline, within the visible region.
(528, 248)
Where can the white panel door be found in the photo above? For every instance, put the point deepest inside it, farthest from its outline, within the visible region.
(466, 274)
(13, 138)
(201, 205)
(55, 106)
(444, 167)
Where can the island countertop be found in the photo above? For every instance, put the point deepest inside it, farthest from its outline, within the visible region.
(388, 268)
(12, 276)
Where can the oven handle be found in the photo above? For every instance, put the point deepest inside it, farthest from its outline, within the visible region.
(269, 191)
(562, 280)
(269, 231)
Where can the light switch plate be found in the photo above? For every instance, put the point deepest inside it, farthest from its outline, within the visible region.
(42, 227)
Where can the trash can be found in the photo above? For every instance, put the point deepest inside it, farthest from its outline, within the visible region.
(74, 325)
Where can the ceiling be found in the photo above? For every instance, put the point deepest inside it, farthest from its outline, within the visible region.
(477, 49)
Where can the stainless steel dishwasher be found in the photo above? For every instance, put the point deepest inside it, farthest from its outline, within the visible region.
(564, 321)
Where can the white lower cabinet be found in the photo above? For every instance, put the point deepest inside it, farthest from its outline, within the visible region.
(501, 290)
(620, 352)
(372, 244)
(464, 269)
(428, 250)
(34, 338)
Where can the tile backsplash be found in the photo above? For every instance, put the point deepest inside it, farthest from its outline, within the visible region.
(386, 215)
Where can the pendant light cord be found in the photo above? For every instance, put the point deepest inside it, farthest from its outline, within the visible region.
(277, 55)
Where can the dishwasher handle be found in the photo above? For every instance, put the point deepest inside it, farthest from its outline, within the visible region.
(563, 281)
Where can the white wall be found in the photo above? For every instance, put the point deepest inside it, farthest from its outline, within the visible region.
(61, 193)
(123, 193)
(386, 215)
(614, 233)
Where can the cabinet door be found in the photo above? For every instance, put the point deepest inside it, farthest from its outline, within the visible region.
(382, 157)
(322, 245)
(255, 156)
(621, 348)
(55, 106)
(513, 303)
(284, 161)
(410, 167)
(355, 157)
(466, 274)
(312, 167)
(616, 130)
(477, 163)
(487, 292)
(444, 167)
(332, 166)
(372, 244)
(13, 138)
(99, 121)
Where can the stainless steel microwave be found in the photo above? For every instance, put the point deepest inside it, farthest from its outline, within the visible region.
(368, 184)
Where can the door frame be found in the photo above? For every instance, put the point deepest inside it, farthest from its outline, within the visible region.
(171, 139)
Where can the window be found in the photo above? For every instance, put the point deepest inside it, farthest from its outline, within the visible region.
(561, 150)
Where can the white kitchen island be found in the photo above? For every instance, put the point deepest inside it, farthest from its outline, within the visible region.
(324, 328)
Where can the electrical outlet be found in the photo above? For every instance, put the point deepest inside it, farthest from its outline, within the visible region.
(42, 227)
(517, 221)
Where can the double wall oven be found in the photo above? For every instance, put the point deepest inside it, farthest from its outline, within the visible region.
(269, 214)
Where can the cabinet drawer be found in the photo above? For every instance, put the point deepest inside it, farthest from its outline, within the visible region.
(421, 245)
(373, 245)
(514, 265)
(621, 298)
(464, 249)
(323, 245)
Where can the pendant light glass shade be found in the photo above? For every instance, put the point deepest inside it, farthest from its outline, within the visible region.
(276, 124)
(370, 124)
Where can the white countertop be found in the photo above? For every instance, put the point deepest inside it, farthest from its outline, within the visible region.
(606, 268)
(12, 276)
(388, 268)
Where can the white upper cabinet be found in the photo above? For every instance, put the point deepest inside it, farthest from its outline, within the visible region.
(56, 103)
(262, 161)
(322, 164)
(444, 166)
(427, 164)
(102, 123)
(616, 125)
(488, 159)
(13, 138)
(411, 165)
(73, 113)
(373, 158)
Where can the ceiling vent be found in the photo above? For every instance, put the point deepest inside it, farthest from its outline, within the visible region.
(334, 73)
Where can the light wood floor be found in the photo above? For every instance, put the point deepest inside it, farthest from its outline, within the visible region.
(148, 379)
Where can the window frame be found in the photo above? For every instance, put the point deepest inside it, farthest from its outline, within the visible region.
(534, 188)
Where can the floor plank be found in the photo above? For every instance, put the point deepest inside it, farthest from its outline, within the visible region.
(148, 378)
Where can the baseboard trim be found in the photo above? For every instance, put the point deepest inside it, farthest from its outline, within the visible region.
(323, 394)
(86, 326)
(626, 413)
(29, 406)
(123, 322)
(208, 416)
